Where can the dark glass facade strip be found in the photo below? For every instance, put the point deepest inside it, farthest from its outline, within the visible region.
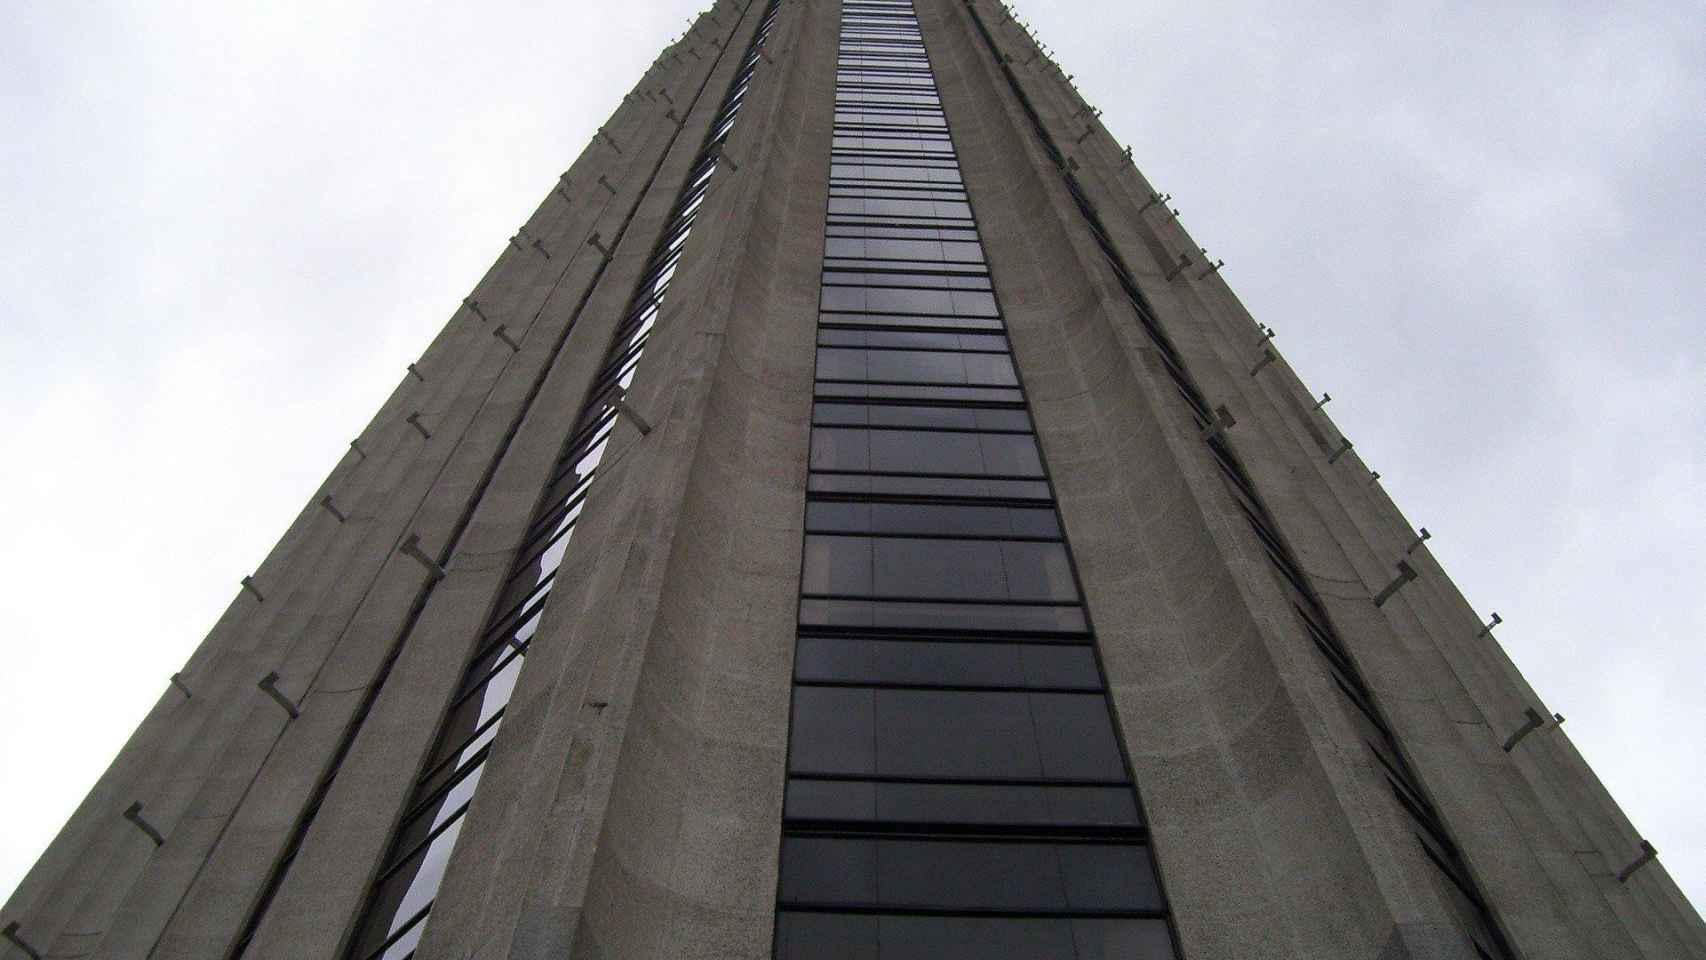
(400, 901)
(956, 786)
(1456, 883)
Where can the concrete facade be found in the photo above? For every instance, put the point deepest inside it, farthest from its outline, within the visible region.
(631, 804)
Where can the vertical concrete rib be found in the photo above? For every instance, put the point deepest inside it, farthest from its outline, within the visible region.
(1497, 816)
(327, 879)
(1475, 680)
(566, 771)
(88, 912)
(1239, 754)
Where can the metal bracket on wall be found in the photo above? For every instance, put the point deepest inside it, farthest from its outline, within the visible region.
(1223, 420)
(332, 508)
(619, 403)
(177, 680)
(1184, 261)
(1648, 852)
(1423, 537)
(1534, 722)
(1406, 573)
(134, 814)
(1325, 399)
(604, 182)
(502, 334)
(412, 548)
(415, 372)
(1154, 199)
(414, 420)
(596, 245)
(1345, 446)
(1487, 630)
(249, 585)
(720, 152)
(1268, 356)
(356, 446)
(269, 685)
(11, 933)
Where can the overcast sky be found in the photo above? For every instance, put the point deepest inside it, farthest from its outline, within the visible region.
(227, 227)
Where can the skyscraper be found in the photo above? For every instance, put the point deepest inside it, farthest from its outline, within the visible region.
(849, 520)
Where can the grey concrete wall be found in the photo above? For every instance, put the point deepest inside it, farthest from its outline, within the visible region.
(1274, 834)
(1452, 697)
(335, 598)
(631, 805)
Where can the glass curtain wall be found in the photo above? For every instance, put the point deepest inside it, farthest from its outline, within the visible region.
(955, 784)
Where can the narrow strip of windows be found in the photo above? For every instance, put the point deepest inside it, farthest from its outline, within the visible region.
(956, 786)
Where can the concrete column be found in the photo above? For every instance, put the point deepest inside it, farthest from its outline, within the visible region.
(632, 802)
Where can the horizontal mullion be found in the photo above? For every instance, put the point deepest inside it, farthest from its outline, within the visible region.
(949, 687)
(899, 271)
(1033, 478)
(809, 906)
(910, 328)
(962, 781)
(889, 222)
(962, 831)
(916, 383)
(926, 429)
(927, 402)
(955, 601)
(916, 535)
(1064, 638)
(927, 500)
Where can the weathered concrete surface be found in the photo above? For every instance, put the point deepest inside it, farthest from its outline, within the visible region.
(631, 806)
(195, 763)
(1452, 697)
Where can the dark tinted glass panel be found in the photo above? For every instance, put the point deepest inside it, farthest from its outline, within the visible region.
(929, 518)
(953, 752)
(924, 733)
(961, 803)
(968, 874)
(832, 731)
(840, 936)
(942, 663)
(956, 618)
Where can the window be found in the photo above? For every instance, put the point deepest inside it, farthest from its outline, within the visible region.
(956, 786)
(816, 936)
(957, 874)
(953, 734)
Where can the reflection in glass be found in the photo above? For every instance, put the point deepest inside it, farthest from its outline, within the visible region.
(956, 788)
